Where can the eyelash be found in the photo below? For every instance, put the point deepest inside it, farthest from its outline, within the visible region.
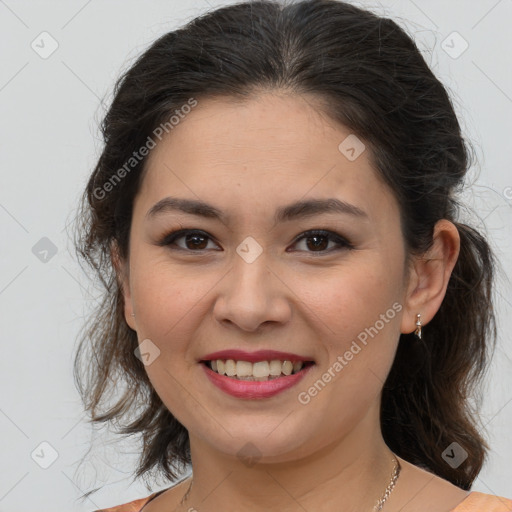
(170, 238)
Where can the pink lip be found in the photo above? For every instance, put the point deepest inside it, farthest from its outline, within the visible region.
(254, 357)
(254, 390)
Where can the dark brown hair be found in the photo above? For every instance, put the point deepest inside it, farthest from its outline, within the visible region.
(371, 78)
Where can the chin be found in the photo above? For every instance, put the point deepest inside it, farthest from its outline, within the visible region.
(262, 442)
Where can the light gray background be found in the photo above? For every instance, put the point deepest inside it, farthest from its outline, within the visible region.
(50, 109)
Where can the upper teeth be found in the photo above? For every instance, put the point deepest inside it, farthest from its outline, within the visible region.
(261, 369)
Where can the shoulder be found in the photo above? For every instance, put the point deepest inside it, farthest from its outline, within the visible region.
(166, 498)
(419, 490)
(482, 502)
(132, 506)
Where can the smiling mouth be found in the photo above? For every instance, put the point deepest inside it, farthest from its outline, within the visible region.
(258, 371)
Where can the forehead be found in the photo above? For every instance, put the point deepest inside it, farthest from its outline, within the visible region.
(271, 149)
(266, 124)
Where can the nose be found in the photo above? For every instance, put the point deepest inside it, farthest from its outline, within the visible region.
(252, 295)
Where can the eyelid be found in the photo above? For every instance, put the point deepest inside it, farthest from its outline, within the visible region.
(173, 235)
(343, 243)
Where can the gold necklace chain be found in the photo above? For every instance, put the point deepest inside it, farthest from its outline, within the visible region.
(376, 508)
(390, 487)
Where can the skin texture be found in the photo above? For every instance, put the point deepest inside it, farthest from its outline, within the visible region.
(247, 159)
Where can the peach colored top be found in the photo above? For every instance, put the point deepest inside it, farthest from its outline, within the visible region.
(474, 502)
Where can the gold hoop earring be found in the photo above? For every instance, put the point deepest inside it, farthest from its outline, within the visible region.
(417, 332)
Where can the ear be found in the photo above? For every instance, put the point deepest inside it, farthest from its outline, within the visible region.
(429, 276)
(123, 279)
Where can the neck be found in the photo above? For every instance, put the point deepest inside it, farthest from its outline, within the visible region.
(351, 473)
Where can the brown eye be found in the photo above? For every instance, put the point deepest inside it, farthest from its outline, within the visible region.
(194, 240)
(317, 241)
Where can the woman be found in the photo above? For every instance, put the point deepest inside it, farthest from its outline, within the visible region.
(290, 297)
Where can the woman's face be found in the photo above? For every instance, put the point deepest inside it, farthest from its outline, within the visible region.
(245, 282)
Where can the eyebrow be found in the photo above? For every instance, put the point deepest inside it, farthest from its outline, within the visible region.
(297, 210)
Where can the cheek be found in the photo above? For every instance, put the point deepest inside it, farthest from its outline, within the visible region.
(168, 305)
(358, 311)
(350, 299)
(170, 302)
(163, 308)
